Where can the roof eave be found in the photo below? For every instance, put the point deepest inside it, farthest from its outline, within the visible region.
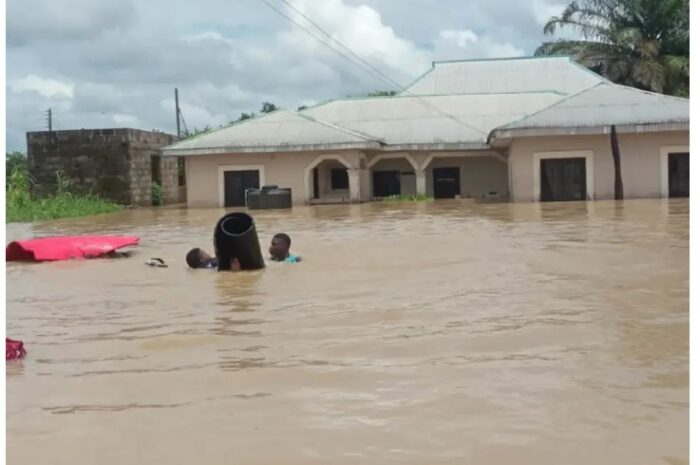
(174, 152)
(509, 133)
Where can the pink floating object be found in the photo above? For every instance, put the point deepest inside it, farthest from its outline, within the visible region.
(66, 247)
(14, 349)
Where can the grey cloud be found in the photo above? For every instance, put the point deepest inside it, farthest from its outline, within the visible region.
(34, 21)
(125, 58)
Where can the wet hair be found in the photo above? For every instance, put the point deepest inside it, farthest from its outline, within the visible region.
(193, 257)
(283, 237)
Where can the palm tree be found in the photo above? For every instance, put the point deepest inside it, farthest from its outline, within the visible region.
(640, 43)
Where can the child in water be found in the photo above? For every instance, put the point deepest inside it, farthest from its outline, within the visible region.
(279, 249)
(198, 258)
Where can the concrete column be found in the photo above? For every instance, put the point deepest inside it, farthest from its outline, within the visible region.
(354, 185)
(420, 182)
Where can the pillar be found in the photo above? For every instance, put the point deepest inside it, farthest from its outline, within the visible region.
(354, 185)
(420, 182)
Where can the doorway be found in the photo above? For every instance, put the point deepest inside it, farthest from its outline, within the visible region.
(446, 183)
(386, 183)
(235, 185)
(679, 174)
(563, 179)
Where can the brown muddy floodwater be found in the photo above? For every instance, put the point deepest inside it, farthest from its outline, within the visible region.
(446, 333)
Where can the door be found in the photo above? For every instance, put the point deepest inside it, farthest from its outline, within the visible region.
(562, 179)
(446, 184)
(235, 185)
(386, 183)
(678, 175)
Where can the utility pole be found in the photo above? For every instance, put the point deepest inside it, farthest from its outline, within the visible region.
(177, 113)
(48, 119)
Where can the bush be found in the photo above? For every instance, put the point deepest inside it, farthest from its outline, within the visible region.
(408, 198)
(20, 207)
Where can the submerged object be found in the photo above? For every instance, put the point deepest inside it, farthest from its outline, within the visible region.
(66, 247)
(157, 262)
(269, 197)
(235, 236)
(14, 350)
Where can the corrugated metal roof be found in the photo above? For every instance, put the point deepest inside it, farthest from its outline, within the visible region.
(431, 119)
(603, 105)
(277, 131)
(527, 74)
(491, 98)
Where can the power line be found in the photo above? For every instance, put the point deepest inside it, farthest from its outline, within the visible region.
(281, 13)
(382, 76)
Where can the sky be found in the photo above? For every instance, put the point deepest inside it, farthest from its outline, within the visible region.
(107, 63)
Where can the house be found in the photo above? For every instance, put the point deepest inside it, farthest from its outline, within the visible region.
(524, 129)
(121, 165)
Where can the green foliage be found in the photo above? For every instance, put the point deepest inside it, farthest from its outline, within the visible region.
(268, 107)
(639, 43)
(14, 160)
(245, 116)
(186, 134)
(20, 207)
(408, 198)
(302, 107)
(157, 194)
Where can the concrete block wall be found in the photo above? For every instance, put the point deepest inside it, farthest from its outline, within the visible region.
(113, 163)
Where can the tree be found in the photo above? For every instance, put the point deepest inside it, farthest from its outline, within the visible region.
(187, 134)
(382, 93)
(245, 116)
(267, 107)
(14, 161)
(639, 43)
(302, 107)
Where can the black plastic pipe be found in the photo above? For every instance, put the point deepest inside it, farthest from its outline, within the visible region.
(235, 236)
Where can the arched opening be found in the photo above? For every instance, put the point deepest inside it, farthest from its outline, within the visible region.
(327, 179)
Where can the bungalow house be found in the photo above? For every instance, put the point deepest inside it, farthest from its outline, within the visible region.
(525, 129)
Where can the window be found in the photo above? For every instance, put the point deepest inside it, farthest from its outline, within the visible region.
(339, 179)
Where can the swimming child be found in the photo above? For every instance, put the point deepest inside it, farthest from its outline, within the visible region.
(279, 249)
(198, 258)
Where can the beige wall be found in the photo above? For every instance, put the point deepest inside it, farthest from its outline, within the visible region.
(283, 169)
(640, 162)
(478, 175)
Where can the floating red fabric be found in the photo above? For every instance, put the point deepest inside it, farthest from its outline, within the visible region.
(66, 247)
(14, 349)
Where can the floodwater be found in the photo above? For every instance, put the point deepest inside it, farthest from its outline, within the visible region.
(445, 333)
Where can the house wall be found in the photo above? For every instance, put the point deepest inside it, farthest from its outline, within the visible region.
(640, 162)
(478, 175)
(113, 163)
(283, 169)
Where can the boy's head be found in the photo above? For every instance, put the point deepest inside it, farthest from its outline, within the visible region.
(197, 258)
(279, 247)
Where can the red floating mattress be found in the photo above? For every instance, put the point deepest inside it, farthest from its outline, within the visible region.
(66, 247)
(14, 349)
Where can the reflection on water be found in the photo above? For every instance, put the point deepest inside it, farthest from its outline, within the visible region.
(451, 332)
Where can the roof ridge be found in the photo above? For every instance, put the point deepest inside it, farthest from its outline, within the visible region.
(476, 60)
(642, 91)
(234, 123)
(569, 97)
(340, 128)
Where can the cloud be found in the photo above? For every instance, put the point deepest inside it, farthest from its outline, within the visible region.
(53, 20)
(50, 88)
(466, 44)
(105, 63)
